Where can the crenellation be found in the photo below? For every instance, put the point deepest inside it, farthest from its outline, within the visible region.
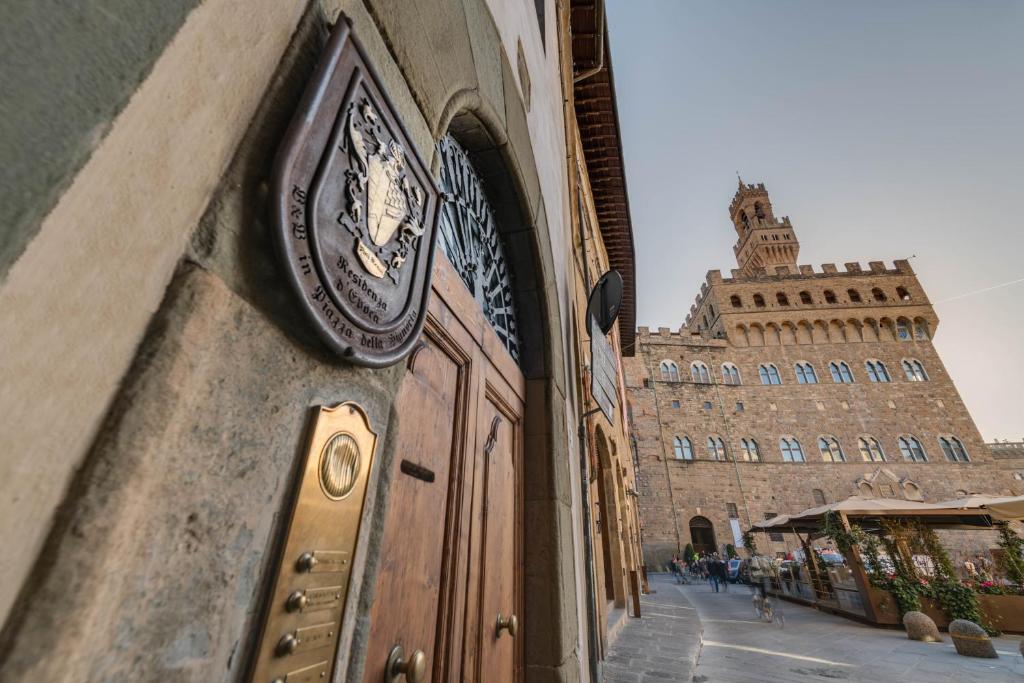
(829, 268)
(806, 270)
(876, 266)
(853, 267)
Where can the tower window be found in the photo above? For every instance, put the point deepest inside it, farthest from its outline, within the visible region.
(758, 210)
(730, 374)
(716, 448)
(730, 509)
(791, 451)
(911, 449)
(759, 301)
(744, 221)
(751, 453)
(735, 301)
(840, 372)
(854, 295)
(805, 298)
(878, 295)
(782, 299)
(903, 329)
(920, 329)
(699, 373)
(877, 372)
(682, 448)
(914, 370)
(953, 449)
(805, 374)
(870, 449)
(830, 297)
(903, 294)
(830, 449)
(769, 374)
(669, 371)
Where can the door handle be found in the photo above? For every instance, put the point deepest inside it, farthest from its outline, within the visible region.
(511, 623)
(414, 668)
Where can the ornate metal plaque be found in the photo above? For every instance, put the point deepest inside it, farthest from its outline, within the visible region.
(355, 211)
(301, 628)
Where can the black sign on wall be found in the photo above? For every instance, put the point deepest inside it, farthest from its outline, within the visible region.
(356, 211)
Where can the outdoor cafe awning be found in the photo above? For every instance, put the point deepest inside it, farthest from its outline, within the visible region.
(949, 514)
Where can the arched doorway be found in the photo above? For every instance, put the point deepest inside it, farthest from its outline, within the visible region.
(455, 590)
(702, 535)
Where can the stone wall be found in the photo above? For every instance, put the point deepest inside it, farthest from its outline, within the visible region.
(673, 491)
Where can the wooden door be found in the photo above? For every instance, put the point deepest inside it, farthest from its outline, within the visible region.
(499, 612)
(450, 556)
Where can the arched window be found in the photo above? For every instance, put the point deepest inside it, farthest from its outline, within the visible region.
(782, 299)
(759, 301)
(735, 301)
(911, 449)
(854, 295)
(819, 497)
(870, 449)
(758, 211)
(805, 298)
(682, 448)
(902, 294)
(840, 372)
(878, 295)
(864, 489)
(711, 311)
(805, 374)
(730, 374)
(699, 373)
(669, 371)
(953, 449)
(751, 453)
(716, 448)
(877, 372)
(903, 329)
(830, 449)
(914, 370)
(769, 374)
(744, 220)
(791, 451)
(920, 330)
(830, 297)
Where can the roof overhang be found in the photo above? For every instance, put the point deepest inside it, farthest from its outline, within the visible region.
(598, 121)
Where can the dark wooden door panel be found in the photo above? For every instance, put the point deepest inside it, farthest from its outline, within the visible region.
(420, 536)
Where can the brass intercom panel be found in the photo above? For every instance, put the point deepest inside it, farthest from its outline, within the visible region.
(300, 635)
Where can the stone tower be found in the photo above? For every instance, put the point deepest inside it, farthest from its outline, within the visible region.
(764, 241)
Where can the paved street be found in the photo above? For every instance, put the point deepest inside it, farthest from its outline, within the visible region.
(813, 646)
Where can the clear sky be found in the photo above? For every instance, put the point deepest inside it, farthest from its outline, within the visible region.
(883, 129)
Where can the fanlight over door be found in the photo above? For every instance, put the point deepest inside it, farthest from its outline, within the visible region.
(469, 238)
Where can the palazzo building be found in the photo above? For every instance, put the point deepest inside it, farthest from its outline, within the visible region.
(210, 470)
(788, 387)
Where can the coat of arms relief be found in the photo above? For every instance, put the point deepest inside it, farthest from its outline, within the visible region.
(384, 210)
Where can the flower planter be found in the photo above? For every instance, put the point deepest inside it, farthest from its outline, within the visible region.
(1004, 612)
(886, 607)
(934, 610)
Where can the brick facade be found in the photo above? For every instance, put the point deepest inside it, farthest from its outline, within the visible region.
(817, 318)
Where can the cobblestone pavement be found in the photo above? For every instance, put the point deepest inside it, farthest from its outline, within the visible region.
(815, 646)
(662, 645)
(682, 623)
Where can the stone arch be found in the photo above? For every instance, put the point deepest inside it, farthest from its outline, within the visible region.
(819, 332)
(609, 503)
(836, 331)
(756, 335)
(886, 330)
(787, 334)
(804, 332)
(702, 535)
(740, 338)
(771, 335)
(911, 490)
(870, 330)
(922, 329)
(854, 331)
